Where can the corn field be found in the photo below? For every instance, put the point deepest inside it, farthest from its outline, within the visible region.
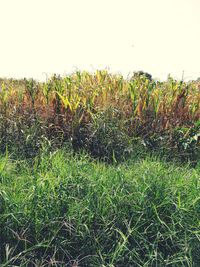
(90, 110)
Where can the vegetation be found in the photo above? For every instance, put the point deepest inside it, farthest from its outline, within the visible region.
(69, 210)
(98, 170)
(106, 115)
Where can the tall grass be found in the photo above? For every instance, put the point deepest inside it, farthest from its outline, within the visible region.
(82, 107)
(69, 210)
(60, 208)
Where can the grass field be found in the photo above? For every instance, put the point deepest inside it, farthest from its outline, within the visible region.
(68, 210)
(99, 171)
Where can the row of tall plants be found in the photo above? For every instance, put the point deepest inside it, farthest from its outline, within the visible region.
(109, 116)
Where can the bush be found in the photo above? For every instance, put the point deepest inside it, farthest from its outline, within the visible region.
(108, 139)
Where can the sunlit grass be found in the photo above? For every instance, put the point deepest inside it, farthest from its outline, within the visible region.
(61, 208)
(69, 209)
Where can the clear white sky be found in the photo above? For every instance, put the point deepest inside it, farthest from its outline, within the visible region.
(58, 36)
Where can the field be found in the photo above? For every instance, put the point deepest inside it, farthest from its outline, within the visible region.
(103, 113)
(98, 170)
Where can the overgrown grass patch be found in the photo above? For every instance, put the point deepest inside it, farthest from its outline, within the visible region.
(68, 209)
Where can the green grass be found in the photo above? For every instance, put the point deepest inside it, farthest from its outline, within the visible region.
(69, 210)
(113, 205)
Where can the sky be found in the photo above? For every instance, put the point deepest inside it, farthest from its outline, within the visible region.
(42, 37)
